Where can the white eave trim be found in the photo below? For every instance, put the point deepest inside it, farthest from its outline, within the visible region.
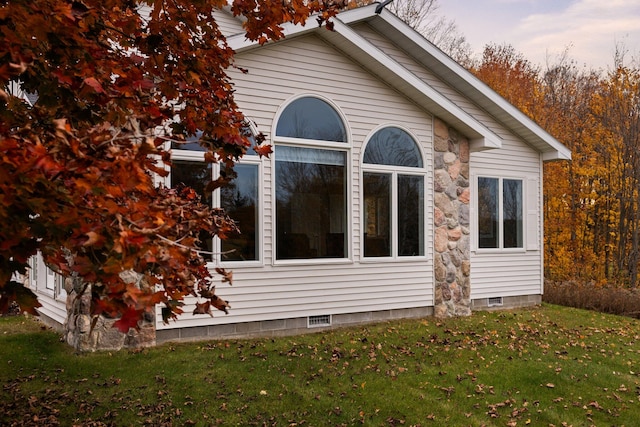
(556, 150)
(480, 136)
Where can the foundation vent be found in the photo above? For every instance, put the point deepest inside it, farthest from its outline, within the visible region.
(494, 302)
(319, 321)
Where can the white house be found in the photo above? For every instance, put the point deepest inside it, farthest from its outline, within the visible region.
(400, 186)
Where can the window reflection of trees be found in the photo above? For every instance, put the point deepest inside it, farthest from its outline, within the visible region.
(377, 204)
(239, 199)
(512, 213)
(487, 212)
(410, 215)
(195, 175)
(310, 203)
(311, 118)
(392, 146)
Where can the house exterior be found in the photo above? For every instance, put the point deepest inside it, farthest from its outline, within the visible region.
(399, 186)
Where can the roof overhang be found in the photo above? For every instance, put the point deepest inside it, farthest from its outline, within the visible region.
(394, 74)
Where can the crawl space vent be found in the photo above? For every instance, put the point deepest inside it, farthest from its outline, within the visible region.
(317, 321)
(495, 301)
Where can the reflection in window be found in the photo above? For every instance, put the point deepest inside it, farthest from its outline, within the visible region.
(487, 212)
(311, 118)
(377, 212)
(195, 175)
(310, 203)
(512, 213)
(392, 146)
(405, 184)
(410, 215)
(500, 215)
(239, 199)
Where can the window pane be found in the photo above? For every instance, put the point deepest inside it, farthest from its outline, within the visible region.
(410, 215)
(487, 212)
(311, 118)
(392, 146)
(512, 213)
(310, 203)
(377, 204)
(195, 175)
(239, 199)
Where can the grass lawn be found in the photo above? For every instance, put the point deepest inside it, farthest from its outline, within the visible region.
(545, 366)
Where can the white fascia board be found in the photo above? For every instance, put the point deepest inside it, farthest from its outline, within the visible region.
(557, 151)
(480, 136)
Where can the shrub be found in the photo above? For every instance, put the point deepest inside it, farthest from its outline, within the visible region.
(605, 299)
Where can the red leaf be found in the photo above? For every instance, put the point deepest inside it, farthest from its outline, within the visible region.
(128, 320)
(263, 150)
(95, 84)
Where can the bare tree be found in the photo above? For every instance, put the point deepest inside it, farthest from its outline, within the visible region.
(422, 15)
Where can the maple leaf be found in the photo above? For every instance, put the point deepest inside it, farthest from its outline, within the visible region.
(220, 304)
(203, 308)
(94, 84)
(129, 320)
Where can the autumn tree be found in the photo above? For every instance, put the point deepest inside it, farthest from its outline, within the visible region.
(115, 81)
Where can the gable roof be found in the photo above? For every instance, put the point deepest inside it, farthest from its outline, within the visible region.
(346, 39)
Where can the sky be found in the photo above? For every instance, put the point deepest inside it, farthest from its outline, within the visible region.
(543, 29)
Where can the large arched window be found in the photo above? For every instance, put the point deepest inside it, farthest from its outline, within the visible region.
(393, 193)
(310, 181)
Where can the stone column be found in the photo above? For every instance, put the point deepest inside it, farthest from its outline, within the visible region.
(86, 332)
(451, 222)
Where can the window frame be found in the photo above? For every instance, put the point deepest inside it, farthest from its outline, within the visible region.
(247, 159)
(395, 172)
(500, 220)
(345, 147)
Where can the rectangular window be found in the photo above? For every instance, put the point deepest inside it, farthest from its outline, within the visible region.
(500, 208)
(195, 175)
(239, 199)
(512, 213)
(377, 214)
(311, 203)
(410, 215)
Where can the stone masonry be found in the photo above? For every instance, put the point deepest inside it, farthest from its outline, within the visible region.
(451, 222)
(80, 333)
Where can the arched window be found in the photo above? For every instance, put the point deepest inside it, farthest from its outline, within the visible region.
(393, 192)
(311, 118)
(311, 181)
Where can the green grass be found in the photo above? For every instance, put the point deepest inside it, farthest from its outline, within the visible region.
(545, 366)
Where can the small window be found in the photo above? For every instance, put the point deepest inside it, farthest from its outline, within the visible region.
(393, 187)
(500, 213)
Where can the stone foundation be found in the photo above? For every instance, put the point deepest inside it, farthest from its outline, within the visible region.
(286, 327)
(451, 222)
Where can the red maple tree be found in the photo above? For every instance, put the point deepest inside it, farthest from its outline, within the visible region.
(115, 80)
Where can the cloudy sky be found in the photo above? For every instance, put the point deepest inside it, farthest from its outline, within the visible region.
(542, 29)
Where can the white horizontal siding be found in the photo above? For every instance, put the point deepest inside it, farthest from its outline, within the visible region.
(52, 308)
(496, 274)
(308, 65)
(227, 23)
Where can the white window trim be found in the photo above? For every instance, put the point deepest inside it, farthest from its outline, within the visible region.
(474, 212)
(394, 171)
(313, 144)
(198, 156)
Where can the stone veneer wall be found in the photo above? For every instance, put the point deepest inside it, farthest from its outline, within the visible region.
(81, 335)
(451, 222)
